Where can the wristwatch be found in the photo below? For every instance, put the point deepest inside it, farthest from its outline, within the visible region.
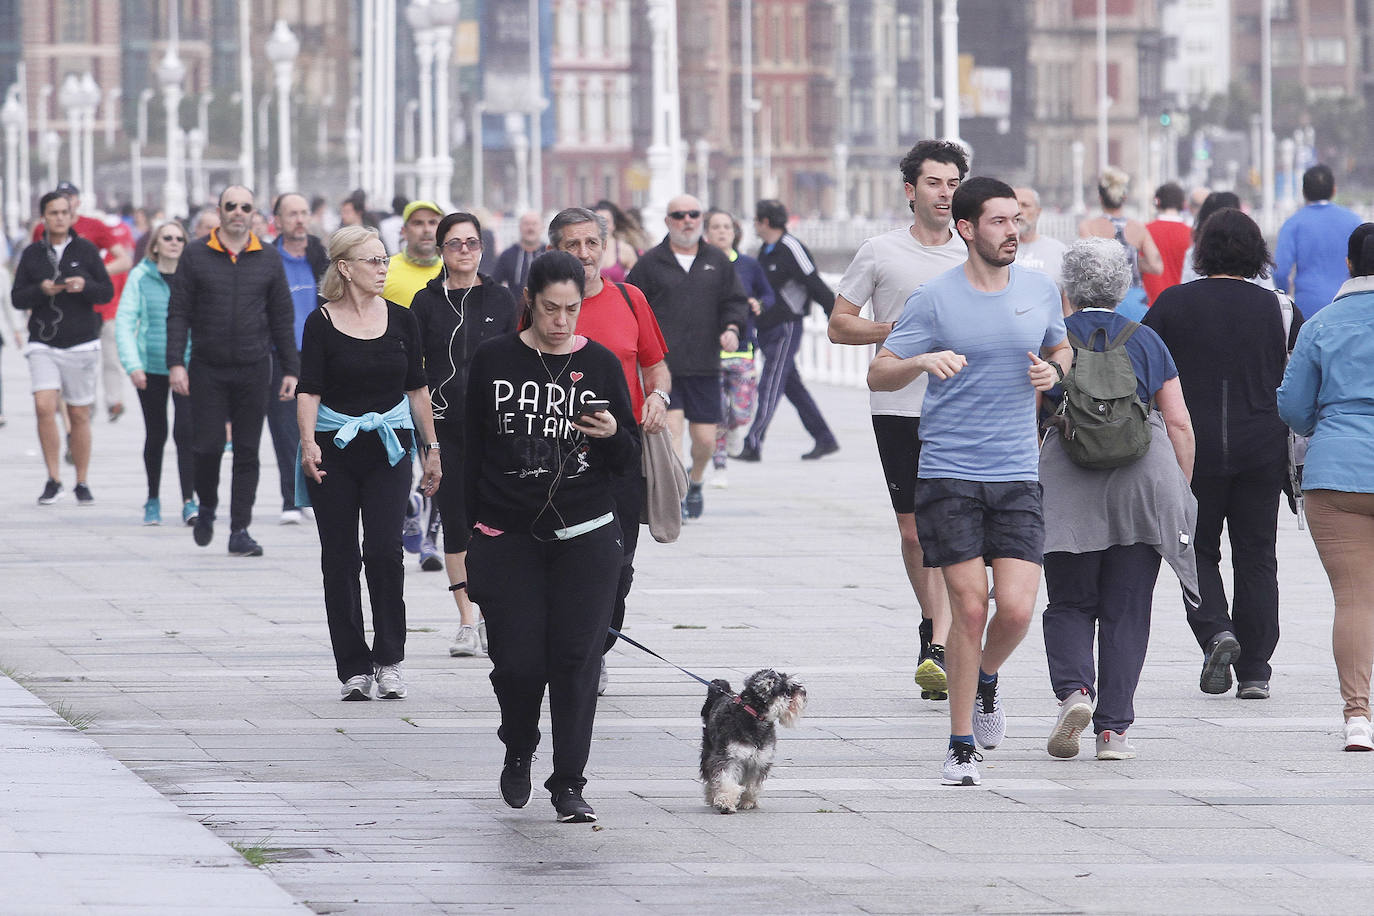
(663, 394)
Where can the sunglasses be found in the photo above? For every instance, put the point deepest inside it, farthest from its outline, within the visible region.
(684, 214)
(172, 238)
(463, 245)
(231, 207)
(375, 263)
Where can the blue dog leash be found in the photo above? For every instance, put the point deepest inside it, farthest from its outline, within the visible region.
(639, 645)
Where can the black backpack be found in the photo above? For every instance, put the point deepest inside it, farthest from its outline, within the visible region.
(1101, 419)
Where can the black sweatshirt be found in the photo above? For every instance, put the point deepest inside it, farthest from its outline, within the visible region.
(66, 319)
(693, 307)
(451, 329)
(526, 467)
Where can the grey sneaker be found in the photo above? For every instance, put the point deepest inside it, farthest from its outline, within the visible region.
(482, 631)
(989, 721)
(961, 766)
(1114, 746)
(467, 644)
(1222, 653)
(358, 687)
(1075, 711)
(390, 686)
(1253, 690)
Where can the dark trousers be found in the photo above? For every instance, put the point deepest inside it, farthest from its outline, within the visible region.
(547, 605)
(629, 506)
(361, 484)
(1107, 593)
(1248, 504)
(237, 395)
(780, 377)
(286, 435)
(153, 401)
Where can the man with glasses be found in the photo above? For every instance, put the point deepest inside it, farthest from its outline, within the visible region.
(701, 307)
(304, 259)
(230, 295)
(418, 262)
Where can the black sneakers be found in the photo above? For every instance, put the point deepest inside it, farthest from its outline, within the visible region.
(241, 544)
(52, 492)
(203, 529)
(83, 495)
(821, 450)
(515, 780)
(571, 808)
(1222, 652)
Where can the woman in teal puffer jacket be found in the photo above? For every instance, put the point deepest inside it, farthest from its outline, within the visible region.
(141, 336)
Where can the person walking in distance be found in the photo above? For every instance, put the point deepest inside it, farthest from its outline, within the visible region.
(230, 297)
(796, 283)
(1308, 260)
(701, 307)
(885, 271)
(513, 266)
(977, 499)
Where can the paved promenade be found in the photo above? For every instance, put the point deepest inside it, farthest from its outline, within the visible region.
(211, 680)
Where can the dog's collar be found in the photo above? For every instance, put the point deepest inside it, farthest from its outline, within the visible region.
(739, 701)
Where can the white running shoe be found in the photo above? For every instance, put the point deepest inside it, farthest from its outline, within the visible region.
(467, 644)
(1114, 746)
(961, 766)
(989, 721)
(1075, 712)
(390, 686)
(1359, 734)
(290, 517)
(358, 687)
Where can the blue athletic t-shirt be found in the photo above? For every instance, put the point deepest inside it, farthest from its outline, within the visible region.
(980, 424)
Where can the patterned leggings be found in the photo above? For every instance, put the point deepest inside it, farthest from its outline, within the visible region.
(739, 388)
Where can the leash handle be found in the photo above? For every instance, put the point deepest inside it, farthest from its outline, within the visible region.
(638, 645)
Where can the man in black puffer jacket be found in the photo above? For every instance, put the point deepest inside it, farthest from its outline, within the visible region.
(230, 295)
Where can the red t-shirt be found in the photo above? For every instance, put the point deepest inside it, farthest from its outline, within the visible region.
(1172, 238)
(635, 339)
(104, 237)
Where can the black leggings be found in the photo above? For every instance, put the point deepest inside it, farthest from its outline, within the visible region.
(547, 605)
(153, 400)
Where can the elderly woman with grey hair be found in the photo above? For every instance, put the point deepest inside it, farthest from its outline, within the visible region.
(1106, 530)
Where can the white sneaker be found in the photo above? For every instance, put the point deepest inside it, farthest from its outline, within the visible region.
(1114, 746)
(961, 766)
(718, 479)
(1075, 711)
(989, 721)
(290, 517)
(390, 686)
(734, 441)
(1359, 735)
(481, 630)
(467, 644)
(358, 687)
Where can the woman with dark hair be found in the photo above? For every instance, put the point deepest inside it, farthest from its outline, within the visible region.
(1327, 391)
(627, 241)
(1106, 530)
(360, 400)
(1227, 338)
(549, 428)
(1217, 200)
(458, 310)
(141, 338)
(1130, 234)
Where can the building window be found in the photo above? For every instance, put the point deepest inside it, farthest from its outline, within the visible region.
(74, 22)
(906, 44)
(1285, 49)
(1326, 51)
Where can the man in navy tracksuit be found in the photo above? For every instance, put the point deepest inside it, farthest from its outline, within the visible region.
(796, 282)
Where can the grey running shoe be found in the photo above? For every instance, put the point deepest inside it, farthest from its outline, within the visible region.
(467, 643)
(1253, 690)
(989, 721)
(358, 687)
(961, 766)
(1075, 711)
(1222, 653)
(1114, 746)
(390, 686)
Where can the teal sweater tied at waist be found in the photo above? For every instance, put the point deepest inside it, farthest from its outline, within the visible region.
(348, 427)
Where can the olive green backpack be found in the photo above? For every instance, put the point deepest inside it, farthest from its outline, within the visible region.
(1102, 420)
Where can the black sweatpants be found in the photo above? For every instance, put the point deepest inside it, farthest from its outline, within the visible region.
(153, 401)
(629, 506)
(1107, 593)
(547, 605)
(238, 395)
(361, 484)
(1248, 505)
(281, 423)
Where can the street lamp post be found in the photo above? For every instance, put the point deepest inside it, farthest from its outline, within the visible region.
(90, 98)
(477, 161)
(664, 156)
(282, 48)
(1103, 102)
(444, 17)
(1266, 118)
(1077, 151)
(49, 148)
(112, 97)
(418, 16)
(352, 140)
(137, 145)
(170, 73)
(841, 208)
(703, 154)
(12, 116)
(748, 105)
(520, 147)
(246, 164)
(408, 147)
(70, 98)
(949, 57)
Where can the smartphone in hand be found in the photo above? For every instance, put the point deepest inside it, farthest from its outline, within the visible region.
(589, 407)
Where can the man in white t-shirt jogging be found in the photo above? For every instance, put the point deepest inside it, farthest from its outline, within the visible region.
(885, 271)
(990, 335)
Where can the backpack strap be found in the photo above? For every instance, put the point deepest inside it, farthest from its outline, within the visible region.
(1124, 335)
(628, 301)
(1075, 341)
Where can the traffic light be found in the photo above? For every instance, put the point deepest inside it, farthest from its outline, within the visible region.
(1165, 118)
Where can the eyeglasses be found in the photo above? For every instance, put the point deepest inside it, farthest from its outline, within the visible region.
(463, 244)
(230, 206)
(374, 263)
(172, 238)
(684, 214)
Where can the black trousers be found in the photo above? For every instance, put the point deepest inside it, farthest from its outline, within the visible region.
(360, 484)
(629, 506)
(547, 605)
(1107, 594)
(286, 435)
(237, 395)
(1248, 505)
(153, 401)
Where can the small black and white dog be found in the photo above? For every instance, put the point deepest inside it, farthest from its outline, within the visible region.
(739, 733)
